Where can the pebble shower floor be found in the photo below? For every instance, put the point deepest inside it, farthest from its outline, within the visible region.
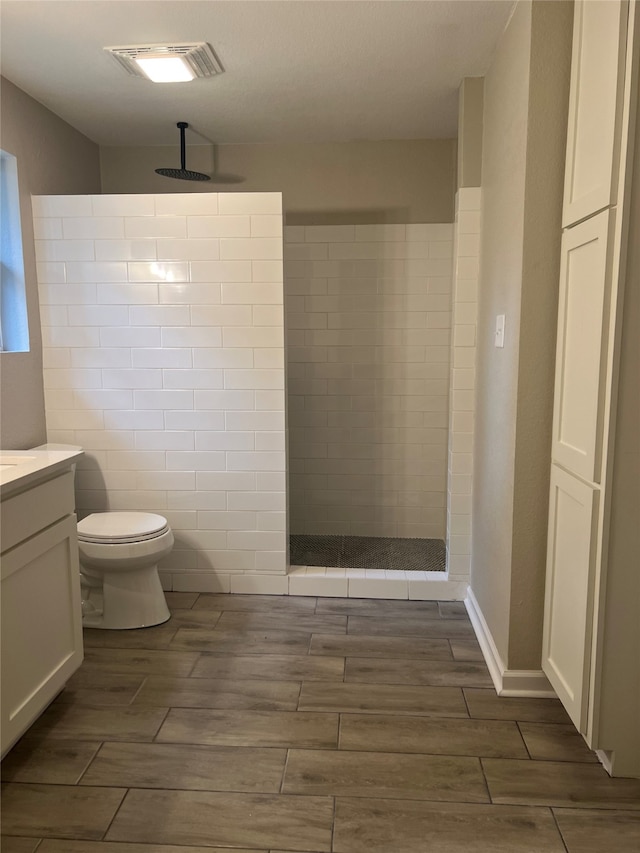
(368, 552)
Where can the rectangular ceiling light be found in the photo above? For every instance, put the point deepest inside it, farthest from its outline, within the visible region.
(168, 63)
(165, 69)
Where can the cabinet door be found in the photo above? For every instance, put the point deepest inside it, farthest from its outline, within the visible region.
(41, 624)
(569, 591)
(581, 346)
(595, 107)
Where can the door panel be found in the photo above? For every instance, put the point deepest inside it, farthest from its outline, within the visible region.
(568, 592)
(599, 47)
(581, 346)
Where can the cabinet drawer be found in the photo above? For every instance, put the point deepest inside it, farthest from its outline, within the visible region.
(23, 515)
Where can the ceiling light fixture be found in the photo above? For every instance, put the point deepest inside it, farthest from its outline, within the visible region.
(168, 63)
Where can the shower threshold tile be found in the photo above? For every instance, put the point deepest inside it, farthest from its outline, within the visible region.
(223, 819)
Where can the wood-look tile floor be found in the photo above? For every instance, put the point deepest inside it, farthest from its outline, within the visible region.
(258, 724)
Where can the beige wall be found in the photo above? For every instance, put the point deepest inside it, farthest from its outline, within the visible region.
(52, 157)
(470, 109)
(405, 181)
(525, 105)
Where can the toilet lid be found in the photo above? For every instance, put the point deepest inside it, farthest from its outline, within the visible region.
(121, 526)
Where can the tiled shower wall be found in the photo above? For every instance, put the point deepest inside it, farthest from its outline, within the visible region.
(368, 316)
(463, 363)
(164, 359)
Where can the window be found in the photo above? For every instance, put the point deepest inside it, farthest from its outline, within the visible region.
(14, 327)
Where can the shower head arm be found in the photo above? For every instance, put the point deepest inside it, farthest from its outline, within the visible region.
(182, 125)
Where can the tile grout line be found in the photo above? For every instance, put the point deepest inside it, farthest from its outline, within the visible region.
(557, 825)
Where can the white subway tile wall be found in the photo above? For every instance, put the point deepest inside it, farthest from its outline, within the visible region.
(368, 318)
(462, 378)
(164, 359)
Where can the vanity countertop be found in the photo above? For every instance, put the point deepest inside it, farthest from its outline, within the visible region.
(24, 468)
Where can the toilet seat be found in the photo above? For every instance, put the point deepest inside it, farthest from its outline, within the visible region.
(121, 528)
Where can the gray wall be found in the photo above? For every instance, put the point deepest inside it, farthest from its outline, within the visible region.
(525, 108)
(52, 157)
(398, 181)
(470, 119)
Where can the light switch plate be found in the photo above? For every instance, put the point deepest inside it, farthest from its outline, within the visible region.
(499, 339)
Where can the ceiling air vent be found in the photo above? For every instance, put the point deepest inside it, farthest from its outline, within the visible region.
(198, 60)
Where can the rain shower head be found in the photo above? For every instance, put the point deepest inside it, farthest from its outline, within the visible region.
(182, 173)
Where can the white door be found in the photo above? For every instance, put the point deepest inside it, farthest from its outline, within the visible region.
(569, 591)
(582, 346)
(593, 132)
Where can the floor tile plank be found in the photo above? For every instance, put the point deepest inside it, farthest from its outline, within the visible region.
(381, 826)
(143, 662)
(100, 688)
(78, 722)
(14, 844)
(242, 642)
(485, 704)
(66, 846)
(181, 600)
(586, 831)
(466, 649)
(382, 698)
(417, 672)
(367, 646)
(196, 817)
(250, 728)
(48, 761)
(248, 694)
(58, 811)
(556, 742)
(555, 783)
(377, 607)
(490, 738)
(283, 667)
(227, 602)
(410, 627)
(384, 775)
(206, 768)
(301, 622)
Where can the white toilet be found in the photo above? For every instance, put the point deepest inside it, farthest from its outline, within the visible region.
(119, 554)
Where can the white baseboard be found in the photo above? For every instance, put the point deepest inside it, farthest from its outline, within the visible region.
(507, 682)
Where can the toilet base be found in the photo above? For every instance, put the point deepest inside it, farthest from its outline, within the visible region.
(123, 600)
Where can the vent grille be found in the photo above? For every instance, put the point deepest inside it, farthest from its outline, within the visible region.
(200, 57)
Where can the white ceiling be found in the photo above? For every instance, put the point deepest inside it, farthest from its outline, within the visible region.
(295, 70)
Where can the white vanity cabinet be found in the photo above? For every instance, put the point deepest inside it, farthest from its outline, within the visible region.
(41, 636)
